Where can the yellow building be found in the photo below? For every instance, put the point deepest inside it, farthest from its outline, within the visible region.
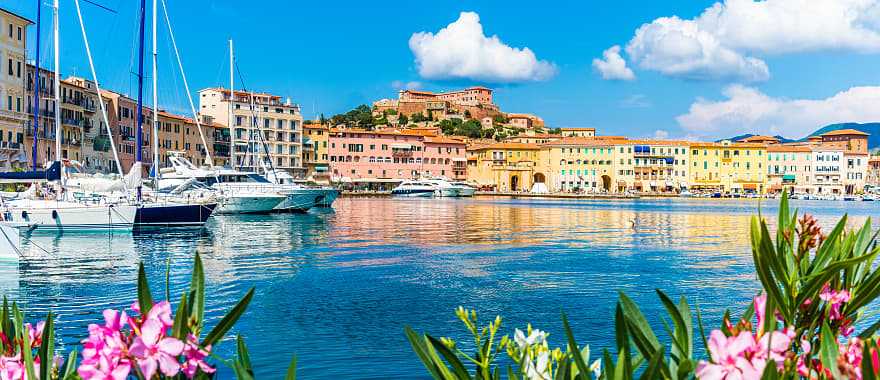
(315, 156)
(653, 165)
(505, 166)
(728, 167)
(584, 164)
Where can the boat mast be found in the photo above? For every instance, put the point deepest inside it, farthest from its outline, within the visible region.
(155, 105)
(231, 105)
(139, 142)
(57, 85)
(37, 87)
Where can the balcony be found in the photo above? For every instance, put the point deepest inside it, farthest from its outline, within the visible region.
(7, 145)
(101, 144)
(13, 115)
(72, 122)
(69, 100)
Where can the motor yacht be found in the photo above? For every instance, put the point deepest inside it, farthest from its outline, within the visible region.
(414, 189)
(442, 187)
(302, 196)
(464, 189)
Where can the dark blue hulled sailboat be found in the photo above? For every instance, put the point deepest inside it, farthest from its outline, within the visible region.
(151, 215)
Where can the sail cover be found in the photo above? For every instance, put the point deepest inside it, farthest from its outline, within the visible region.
(53, 173)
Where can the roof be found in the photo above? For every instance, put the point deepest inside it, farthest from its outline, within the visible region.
(656, 142)
(758, 138)
(239, 92)
(576, 129)
(443, 140)
(581, 141)
(848, 131)
(789, 148)
(731, 145)
(16, 15)
(506, 145)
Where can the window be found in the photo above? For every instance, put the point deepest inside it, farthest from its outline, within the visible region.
(19, 33)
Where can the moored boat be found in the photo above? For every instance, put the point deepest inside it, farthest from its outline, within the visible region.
(414, 189)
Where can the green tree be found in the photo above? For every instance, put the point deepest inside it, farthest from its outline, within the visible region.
(402, 120)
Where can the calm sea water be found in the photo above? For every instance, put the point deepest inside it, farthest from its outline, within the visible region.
(335, 287)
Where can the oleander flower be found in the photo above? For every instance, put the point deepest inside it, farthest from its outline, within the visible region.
(523, 341)
(835, 299)
(851, 358)
(730, 358)
(105, 352)
(194, 358)
(539, 369)
(11, 368)
(152, 349)
(35, 335)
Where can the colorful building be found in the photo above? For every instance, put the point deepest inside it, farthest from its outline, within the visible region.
(577, 132)
(790, 167)
(279, 122)
(316, 156)
(728, 167)
(505, 166)
(14, 118)
(380, 159)
(576, 164)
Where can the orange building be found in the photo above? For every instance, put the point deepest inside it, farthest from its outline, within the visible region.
(846, 139)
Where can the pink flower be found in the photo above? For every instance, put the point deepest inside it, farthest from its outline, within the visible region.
(729, 358)
(835, 299)
(11, 368)
(195, 358)
(104, 351)
(852, 354)
(773, 346)
(152, 348)
(760, 306)
(35, 335)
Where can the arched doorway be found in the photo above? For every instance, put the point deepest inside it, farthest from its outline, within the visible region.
(514, 183)
(606, 182)
(539, 178)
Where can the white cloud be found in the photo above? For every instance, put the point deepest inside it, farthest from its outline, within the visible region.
(612, 65)
(748, 110)
(727, 39)
(462, 51)
(679, 48)
(401, 85)
(661, 134)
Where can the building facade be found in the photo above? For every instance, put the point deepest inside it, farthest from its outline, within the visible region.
(316, 156)
(828, 170)
(790, 167)
(14, 118)
(259, 122)
(505, 167)
(728, 167)
(379, 159)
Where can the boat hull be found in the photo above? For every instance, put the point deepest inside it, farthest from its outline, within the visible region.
(173, 215)
(52, 216)
(415, 193)
(249, 204)
(329, 197)
(300, 201)
(466, 192)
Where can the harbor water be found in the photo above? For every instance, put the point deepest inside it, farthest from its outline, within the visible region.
(335, 287)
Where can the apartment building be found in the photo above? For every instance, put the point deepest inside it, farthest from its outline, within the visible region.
(259, 121)
(583, 164)
(13, 97)
(728, 167)
(790, 167)
(828, 170)
(577, 132)
(653, 165)
(316, 156)
(380, 159)
(855, 171)
(505, 166)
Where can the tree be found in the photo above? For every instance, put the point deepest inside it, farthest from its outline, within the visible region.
(555, 131)
(402, 120)
(467, 114)
(499, 119)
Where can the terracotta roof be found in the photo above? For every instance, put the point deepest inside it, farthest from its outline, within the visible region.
(239, 92)
(577, 129)
(657, 142)
(506, 145)
(731, 145)
(789, 148)
(581, 141)
(845, 132)
(758, 138)
(16, 15)
(443, 140)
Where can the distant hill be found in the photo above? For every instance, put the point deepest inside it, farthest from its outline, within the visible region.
(873, 129)
(747, 135)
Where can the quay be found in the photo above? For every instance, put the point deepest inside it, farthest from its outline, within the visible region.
(380, 193)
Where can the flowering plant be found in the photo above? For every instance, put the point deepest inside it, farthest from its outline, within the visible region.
(802, 325)
(148, 341)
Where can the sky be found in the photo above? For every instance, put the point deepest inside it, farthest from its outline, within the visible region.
(673, 69)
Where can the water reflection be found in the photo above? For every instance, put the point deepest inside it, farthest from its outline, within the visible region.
(336, 287)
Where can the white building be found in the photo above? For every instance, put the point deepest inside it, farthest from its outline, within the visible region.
(828, 170)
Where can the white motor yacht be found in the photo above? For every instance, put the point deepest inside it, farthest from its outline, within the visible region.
(241, 192)
(464, 188)
(414, 189)
(301, 196)
(442, 187)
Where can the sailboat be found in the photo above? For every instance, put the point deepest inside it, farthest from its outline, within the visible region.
(54, 210)
(158, 212)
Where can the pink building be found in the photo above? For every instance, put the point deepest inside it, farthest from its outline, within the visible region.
(380, 159)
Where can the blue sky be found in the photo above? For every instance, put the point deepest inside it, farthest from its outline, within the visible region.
(727, 74)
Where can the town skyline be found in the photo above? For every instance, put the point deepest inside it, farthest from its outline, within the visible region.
(571, 75)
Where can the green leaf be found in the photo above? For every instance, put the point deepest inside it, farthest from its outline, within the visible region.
(421, 349)
(654, 370)
(179, 329)
(27, 353)
(457, 366)
(622, 336)
(240, 372)
(563, 371)
(573, 347)
(828, 350)
(229, 320)
(680, 334)
(640, 331)
(243, 356)
(197, 286)
(69, 371)
(47, 348)
(867, 363)
(145, 298)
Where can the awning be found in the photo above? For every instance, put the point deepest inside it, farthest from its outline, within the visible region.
(321, 168)
(401, 146)
(750, 186)
(458, 159)
(670, 184)
(789, 177)
(653, 184)
(637, 184)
